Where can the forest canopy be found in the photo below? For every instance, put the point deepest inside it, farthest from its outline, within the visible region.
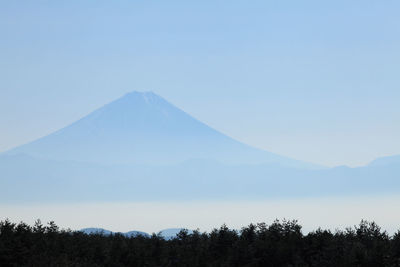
(281, 243)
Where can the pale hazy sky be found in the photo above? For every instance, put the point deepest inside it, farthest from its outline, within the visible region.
(327, 213)
(314, 80)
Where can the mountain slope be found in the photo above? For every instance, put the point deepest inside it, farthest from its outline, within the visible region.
(386, 161)
(144, 128)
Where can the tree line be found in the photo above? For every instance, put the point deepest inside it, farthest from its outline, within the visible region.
(281, 243)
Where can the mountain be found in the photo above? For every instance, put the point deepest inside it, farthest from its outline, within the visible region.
(136, 233)
(101, 231)
(171, 233)
(92, 231)
(166, 233)
(143, 128)
(141, 148)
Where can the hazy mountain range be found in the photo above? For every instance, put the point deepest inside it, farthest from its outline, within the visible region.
(140, 147)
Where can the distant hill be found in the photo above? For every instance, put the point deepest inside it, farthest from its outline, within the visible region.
(172, 232)
(100, 231)
(166, 233)
(136, 233)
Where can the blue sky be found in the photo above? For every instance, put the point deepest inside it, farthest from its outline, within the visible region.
(313, 80)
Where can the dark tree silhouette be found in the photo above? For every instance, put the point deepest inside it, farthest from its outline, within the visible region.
(280, 244)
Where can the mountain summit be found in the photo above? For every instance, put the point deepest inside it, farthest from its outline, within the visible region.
(142, 127)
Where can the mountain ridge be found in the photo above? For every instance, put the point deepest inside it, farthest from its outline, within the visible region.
(26, 179)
